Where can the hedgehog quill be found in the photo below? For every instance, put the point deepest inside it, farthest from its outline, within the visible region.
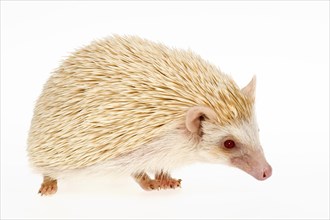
(141, 108)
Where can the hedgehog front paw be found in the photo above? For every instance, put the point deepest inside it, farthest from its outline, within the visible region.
(150, 185)
(146, 183)
(170, 183)
(167, 182)
(161, 181)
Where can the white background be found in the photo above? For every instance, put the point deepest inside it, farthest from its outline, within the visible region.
(286, 44)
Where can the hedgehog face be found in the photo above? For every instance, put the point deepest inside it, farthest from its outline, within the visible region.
(236, 144)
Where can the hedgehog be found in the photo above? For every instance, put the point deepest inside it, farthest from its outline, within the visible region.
(132, 106)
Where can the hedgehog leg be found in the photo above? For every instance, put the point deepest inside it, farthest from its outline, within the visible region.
(48, 187)
(166, 181)
(145, 182)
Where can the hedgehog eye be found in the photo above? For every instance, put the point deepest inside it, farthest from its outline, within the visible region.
(229, 144)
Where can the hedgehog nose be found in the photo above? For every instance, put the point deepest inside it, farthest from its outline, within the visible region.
(267, 172)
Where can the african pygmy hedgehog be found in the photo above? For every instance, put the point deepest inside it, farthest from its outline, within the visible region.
(135, 107)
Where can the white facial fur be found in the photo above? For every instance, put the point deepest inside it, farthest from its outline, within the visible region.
(247, 155)
(244, 132)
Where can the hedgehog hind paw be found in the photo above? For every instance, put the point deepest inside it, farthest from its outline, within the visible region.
(48, 186)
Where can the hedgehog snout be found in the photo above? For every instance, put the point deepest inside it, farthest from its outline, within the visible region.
(254, 164)
(265, 173)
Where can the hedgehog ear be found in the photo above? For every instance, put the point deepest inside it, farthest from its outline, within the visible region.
(250, 89)
(194, 117)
